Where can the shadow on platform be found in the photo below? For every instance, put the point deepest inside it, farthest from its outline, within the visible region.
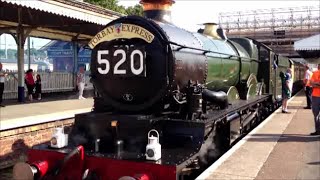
(283, 138)
(48, 97)
(314, 163)
(296, 107)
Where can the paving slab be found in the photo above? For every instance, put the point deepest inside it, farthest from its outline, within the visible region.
(18, 115)
(296, 155)
(279, 148)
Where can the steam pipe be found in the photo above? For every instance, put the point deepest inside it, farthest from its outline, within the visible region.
(249, 118)
(219, 98)
(56, 170)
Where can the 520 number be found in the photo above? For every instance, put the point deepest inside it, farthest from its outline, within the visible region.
(135, 65)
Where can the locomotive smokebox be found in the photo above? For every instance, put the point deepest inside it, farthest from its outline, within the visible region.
(159, 10)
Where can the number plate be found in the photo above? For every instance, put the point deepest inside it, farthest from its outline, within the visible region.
(122, 61)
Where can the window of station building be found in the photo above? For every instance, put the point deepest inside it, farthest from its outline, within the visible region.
(279, 33)
(61, 54)
(84, 57)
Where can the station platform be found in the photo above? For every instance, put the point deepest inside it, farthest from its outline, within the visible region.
(279, 148)
(18, 115)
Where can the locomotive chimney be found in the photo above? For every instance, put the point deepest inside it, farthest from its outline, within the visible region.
(213, 30)
(159, 10)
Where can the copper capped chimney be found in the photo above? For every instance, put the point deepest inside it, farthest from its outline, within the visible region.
(159, 10)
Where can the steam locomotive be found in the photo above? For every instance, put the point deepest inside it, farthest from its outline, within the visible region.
(168, 102)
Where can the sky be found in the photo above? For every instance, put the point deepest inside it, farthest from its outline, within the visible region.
(189, 13)
(11, 44)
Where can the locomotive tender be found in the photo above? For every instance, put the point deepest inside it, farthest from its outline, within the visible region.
(199, 91)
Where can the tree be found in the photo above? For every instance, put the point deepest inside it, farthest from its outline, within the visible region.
(113, 5)
(135, 10)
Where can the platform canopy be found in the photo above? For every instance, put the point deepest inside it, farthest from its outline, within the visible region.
(54, 19)
(308, 44)
(309, 48)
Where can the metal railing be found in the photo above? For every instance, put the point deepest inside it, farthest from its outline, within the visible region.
(51, 82)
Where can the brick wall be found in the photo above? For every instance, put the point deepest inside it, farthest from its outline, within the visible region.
(15, 142)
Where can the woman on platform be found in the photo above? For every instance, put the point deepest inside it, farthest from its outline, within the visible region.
(38, 86)
(286, 89)
(30, 83)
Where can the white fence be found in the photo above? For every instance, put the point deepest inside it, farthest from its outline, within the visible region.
(51, 82)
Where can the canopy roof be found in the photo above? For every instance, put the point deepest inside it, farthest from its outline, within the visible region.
(71, 8)
(55, 19)
(308, 44)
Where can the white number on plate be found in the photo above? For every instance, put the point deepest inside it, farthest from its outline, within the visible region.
(123, 56)
(103, 61)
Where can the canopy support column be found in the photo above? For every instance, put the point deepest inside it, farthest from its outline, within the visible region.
(20, 55)
(75, 61)
(20, 40)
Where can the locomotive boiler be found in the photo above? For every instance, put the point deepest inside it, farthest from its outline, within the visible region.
(168, 102)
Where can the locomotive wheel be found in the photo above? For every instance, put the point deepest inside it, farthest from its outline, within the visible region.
(252, 91)
(233, 94)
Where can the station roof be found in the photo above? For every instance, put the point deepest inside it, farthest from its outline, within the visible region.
(309, 49)
(308, 44)
(71, 8)
(55, 19)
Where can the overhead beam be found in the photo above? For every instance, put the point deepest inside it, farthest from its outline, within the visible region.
(8, 28)
(11, 27)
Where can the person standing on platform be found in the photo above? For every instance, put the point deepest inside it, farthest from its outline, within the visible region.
(2, 78)
(30, 83)
(307, 88)
(81, 82)
(38, 86)
(315, 83)
(286, 90)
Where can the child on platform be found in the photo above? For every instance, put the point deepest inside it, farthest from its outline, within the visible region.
(38, 86)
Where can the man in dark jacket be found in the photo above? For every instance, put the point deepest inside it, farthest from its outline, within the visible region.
(2, 78)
